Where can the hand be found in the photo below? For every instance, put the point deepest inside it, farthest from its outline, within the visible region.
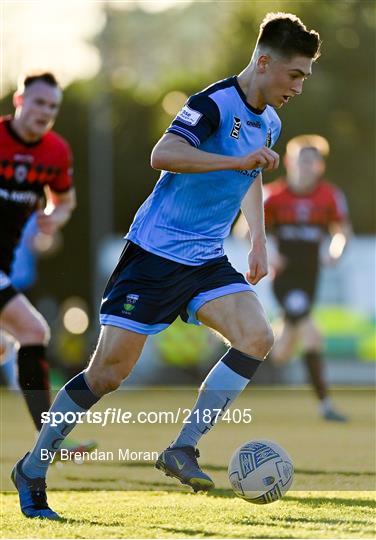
(332, 254)
(49, 223)
(257, 262)
(265, 158)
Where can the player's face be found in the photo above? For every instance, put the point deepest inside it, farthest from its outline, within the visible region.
(285, 78)
(305, 169)
(38, 108)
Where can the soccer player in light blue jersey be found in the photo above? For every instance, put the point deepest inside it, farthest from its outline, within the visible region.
(212, 158)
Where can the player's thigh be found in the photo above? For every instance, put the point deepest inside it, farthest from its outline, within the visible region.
(286, 340)
(240, 319)
(309, 334)
(116, 354)
(20, 318)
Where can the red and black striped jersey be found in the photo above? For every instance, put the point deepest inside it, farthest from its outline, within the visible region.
(25, 170)
(300, 221)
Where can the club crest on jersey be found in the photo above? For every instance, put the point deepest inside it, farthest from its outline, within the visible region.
(268, 140)
(20, 172)
(236, 127)
(130, 302)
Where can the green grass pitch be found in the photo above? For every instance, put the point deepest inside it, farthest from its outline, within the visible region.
(332, 495)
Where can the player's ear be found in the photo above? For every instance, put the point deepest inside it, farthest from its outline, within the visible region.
(262, 63)
(17, 99)
(321, 166)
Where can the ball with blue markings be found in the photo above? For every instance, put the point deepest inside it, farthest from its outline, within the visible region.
(260, 472)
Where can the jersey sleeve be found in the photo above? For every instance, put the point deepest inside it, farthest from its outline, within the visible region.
(338, 210)
(197, 120)
(63, 181)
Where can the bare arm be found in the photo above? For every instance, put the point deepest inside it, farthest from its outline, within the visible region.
(340, 234)
(57, 212)
(173, 153)
(253, 210)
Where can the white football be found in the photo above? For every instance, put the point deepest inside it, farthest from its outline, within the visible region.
(260, 472)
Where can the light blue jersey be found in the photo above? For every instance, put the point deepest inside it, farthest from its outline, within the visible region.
(188, 215)
(24, 267)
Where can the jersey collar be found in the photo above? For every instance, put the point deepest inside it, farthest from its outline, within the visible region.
(244, 98)
(12, 132)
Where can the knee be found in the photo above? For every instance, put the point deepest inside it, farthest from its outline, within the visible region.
(255, 341)
(269, 339)
(311, 338)
(108, 381)
(265, 339)
(279, 356)
(106, 375)
(37, 332)
(315, 342)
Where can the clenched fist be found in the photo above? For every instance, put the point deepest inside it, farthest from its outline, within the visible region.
(265, 158)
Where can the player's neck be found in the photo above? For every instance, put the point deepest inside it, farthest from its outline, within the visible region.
(247, 83)
(22, 132)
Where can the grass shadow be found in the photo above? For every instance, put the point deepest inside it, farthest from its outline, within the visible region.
(190, 532)
(318, 501)
(83, 521)
(286, 521)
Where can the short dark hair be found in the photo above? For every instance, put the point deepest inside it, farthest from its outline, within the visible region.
(286, 34)
(46, 77)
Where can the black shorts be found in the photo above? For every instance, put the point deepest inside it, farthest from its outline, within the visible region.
(146, 292)
(7, 291)
(295, 294)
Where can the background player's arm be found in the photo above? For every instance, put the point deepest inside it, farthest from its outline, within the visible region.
(340, 233)
(58, 209)
(339, 226)
(174, 154)
(253, 211)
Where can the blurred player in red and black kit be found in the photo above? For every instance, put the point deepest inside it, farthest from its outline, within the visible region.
(299, 212)
(35, 176)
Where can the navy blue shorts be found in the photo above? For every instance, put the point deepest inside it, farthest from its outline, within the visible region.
(146, 292)
(295, 292)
